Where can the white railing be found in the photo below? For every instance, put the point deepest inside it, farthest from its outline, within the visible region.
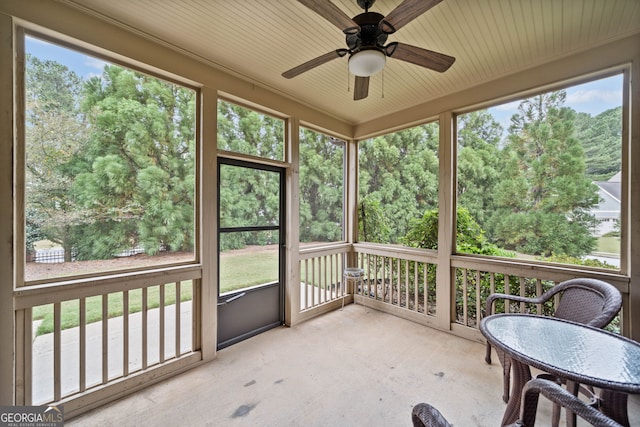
(399, 277)
(402, 280)
(103, 335)
(321, 275)
(478, 277)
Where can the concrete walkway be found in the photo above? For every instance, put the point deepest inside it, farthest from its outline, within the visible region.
(70, 343)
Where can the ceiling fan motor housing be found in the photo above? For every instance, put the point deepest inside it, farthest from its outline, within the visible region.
(370, 35)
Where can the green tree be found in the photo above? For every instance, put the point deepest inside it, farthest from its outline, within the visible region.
(601, 138)
(373, 225)
(544, 198)
(400, 172)
(55, 132)
(248, 197)
(246, 131)
(479, 137)
(470, 237)
(321, 187)
(135, 176)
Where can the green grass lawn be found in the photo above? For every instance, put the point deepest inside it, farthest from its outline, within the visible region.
(242, 269)
(239, 270)
(610, 245)
(70, 310)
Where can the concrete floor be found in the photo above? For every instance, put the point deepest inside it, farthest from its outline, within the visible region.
(345, 368)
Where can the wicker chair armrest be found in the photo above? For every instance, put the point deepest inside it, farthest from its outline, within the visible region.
(517, 298)
(425, 415)
(557, 394)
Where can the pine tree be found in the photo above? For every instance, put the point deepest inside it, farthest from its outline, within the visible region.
(544, 198)
(399, 172)
(321, 187)
(135, 177)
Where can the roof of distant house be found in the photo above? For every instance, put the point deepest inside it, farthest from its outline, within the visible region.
(612, 186)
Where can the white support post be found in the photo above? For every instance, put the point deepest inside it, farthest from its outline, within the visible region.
(445, 277)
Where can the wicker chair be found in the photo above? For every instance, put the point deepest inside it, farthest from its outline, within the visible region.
(589, 301)
(425, 415)
(560, 397)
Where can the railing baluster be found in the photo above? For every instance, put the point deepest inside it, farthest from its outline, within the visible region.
(105, 338)
(383, 278)
(416, 293)
(328, 275)
(125, 333)
(328, 278)
(406, 283)
(398, 282)
(507, 290)
(337, 274)
(178, 317)
(339, 270)
(465, 305)
(196, 292)
(478, 295)
(375, 280)
(24, 372)
(538, 293)
(313, 282)
(57, 351)
(145, 311)
(82, 359)
(306, 284)
(492, 284)
(367, 261)
(389, 291)
(523, 292)
(425, 284)
(492, 288)
(162, 325)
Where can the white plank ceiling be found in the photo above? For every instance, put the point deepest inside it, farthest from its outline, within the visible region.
(258, 40)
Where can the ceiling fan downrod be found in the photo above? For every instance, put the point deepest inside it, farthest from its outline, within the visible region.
(366, 4)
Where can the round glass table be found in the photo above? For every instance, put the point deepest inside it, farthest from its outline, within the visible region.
(568, 350)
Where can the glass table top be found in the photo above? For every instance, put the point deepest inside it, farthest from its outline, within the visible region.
(576, 352)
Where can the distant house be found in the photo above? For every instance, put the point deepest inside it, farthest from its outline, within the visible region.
(608, 210)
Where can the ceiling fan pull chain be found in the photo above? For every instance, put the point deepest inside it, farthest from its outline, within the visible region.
(382, 84)
(348, 80)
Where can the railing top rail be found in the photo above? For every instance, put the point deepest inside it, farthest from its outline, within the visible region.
(532, 269)
(397, 251)
(31, 296)
(321, 250)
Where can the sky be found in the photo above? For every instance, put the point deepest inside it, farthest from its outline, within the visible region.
(593, 98)
(84, 65)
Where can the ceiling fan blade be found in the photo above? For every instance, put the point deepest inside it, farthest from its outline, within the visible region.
(333, 14)
(361, 88)
(419, 56)
(339, 53)
(406, 12)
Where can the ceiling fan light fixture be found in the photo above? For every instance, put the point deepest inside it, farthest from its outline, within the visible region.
(367, 62)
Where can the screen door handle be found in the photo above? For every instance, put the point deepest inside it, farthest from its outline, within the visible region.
(233, 298)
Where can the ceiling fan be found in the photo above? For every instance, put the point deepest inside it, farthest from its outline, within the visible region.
(366, 35)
